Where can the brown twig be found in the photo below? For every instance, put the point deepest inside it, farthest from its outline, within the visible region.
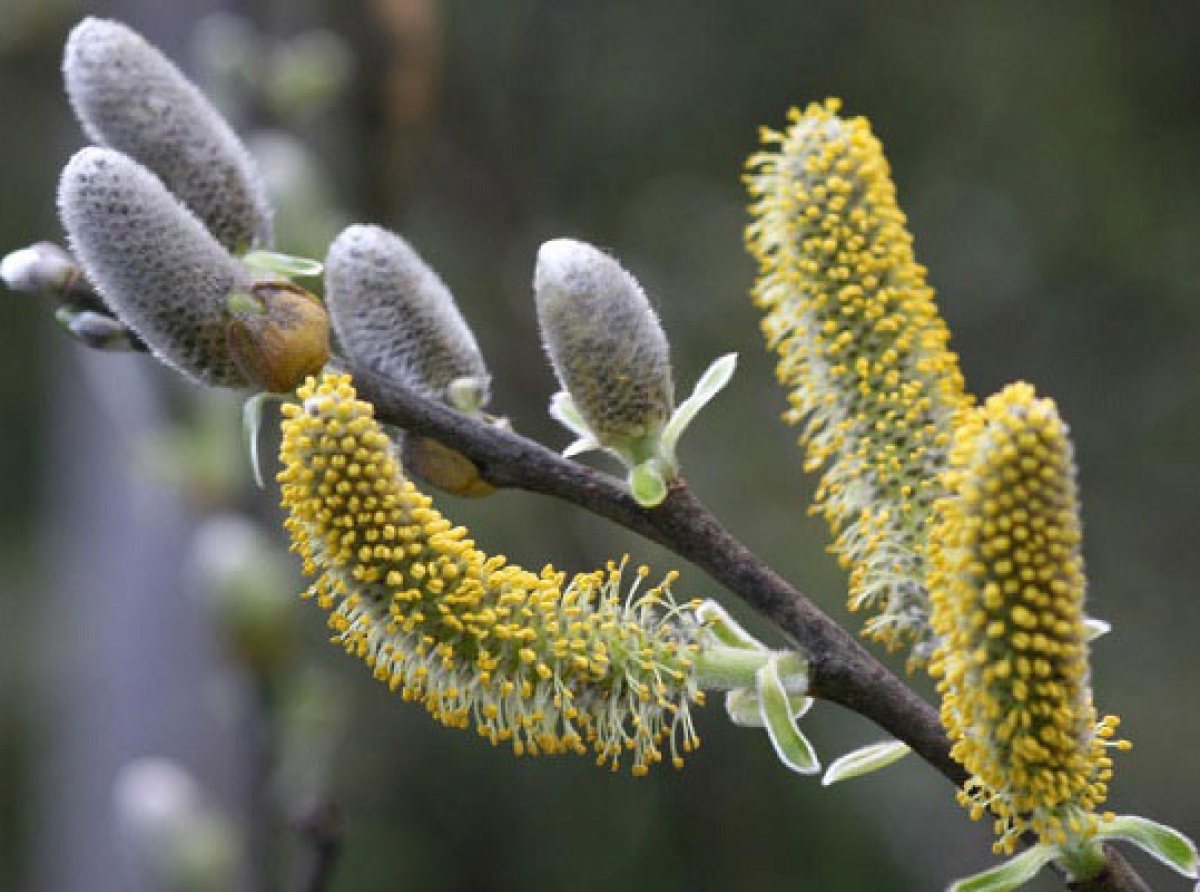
(321, 830)
(842, 670)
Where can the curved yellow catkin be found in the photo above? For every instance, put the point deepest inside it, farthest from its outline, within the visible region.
(529, 659)
(862, 350)
(1008, 587)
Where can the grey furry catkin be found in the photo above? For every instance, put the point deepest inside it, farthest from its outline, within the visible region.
(394, 314)
(604, 341)
(131, 98)
(153, 262)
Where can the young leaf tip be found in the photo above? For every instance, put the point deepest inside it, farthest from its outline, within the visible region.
(775, 709)
(1167, 844)
(864, 760)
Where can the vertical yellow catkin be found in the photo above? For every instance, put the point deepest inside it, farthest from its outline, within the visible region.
(529, 659)
(1008, 588)
(862, 351)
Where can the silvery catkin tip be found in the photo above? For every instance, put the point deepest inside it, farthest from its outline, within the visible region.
(130, 97)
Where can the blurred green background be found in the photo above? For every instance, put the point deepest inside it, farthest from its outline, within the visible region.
(1048, 156)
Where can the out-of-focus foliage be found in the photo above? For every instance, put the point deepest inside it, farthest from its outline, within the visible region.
(1049, 160)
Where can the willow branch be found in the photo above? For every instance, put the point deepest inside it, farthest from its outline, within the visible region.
(842, 671)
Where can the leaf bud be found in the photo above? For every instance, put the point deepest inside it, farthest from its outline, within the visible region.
(447, 469)
(98, 331)
(278, 336)
(42, 267)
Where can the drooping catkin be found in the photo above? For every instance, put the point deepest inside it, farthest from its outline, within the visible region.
(530, 659)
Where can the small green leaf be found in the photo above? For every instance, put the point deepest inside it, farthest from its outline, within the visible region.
(743, 708)
(252, 415)
(242, 303)
(712, 382)
(1095, 628)
(647, 485)
(775, 709)
(582, 445)
(1165, 843)
(1012, 874)
(96, 330)
(717, 620)
(286, 265)
(865, 760)
(745, 711)
(565, 412)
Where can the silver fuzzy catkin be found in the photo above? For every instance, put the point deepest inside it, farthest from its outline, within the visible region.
(604, 341)
(153, 262)
(393, 314)
(131, 98)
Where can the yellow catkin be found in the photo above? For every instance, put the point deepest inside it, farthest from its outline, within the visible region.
(862, 351)
(1008, 588)
(530, 660)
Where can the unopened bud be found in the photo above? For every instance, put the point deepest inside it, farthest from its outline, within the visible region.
(43, 267)
(447, 469)
(153, 262)
(394, 315)
(605, 343)
(130, 97)
(279, 335)
(95, 330)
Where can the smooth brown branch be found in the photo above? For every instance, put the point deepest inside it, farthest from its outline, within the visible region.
(842, 670)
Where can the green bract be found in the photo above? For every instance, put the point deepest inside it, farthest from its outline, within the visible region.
(764, 688)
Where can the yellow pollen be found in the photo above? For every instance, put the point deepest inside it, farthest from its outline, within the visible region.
(862, 351)
(1013, 657)
(472, 638)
